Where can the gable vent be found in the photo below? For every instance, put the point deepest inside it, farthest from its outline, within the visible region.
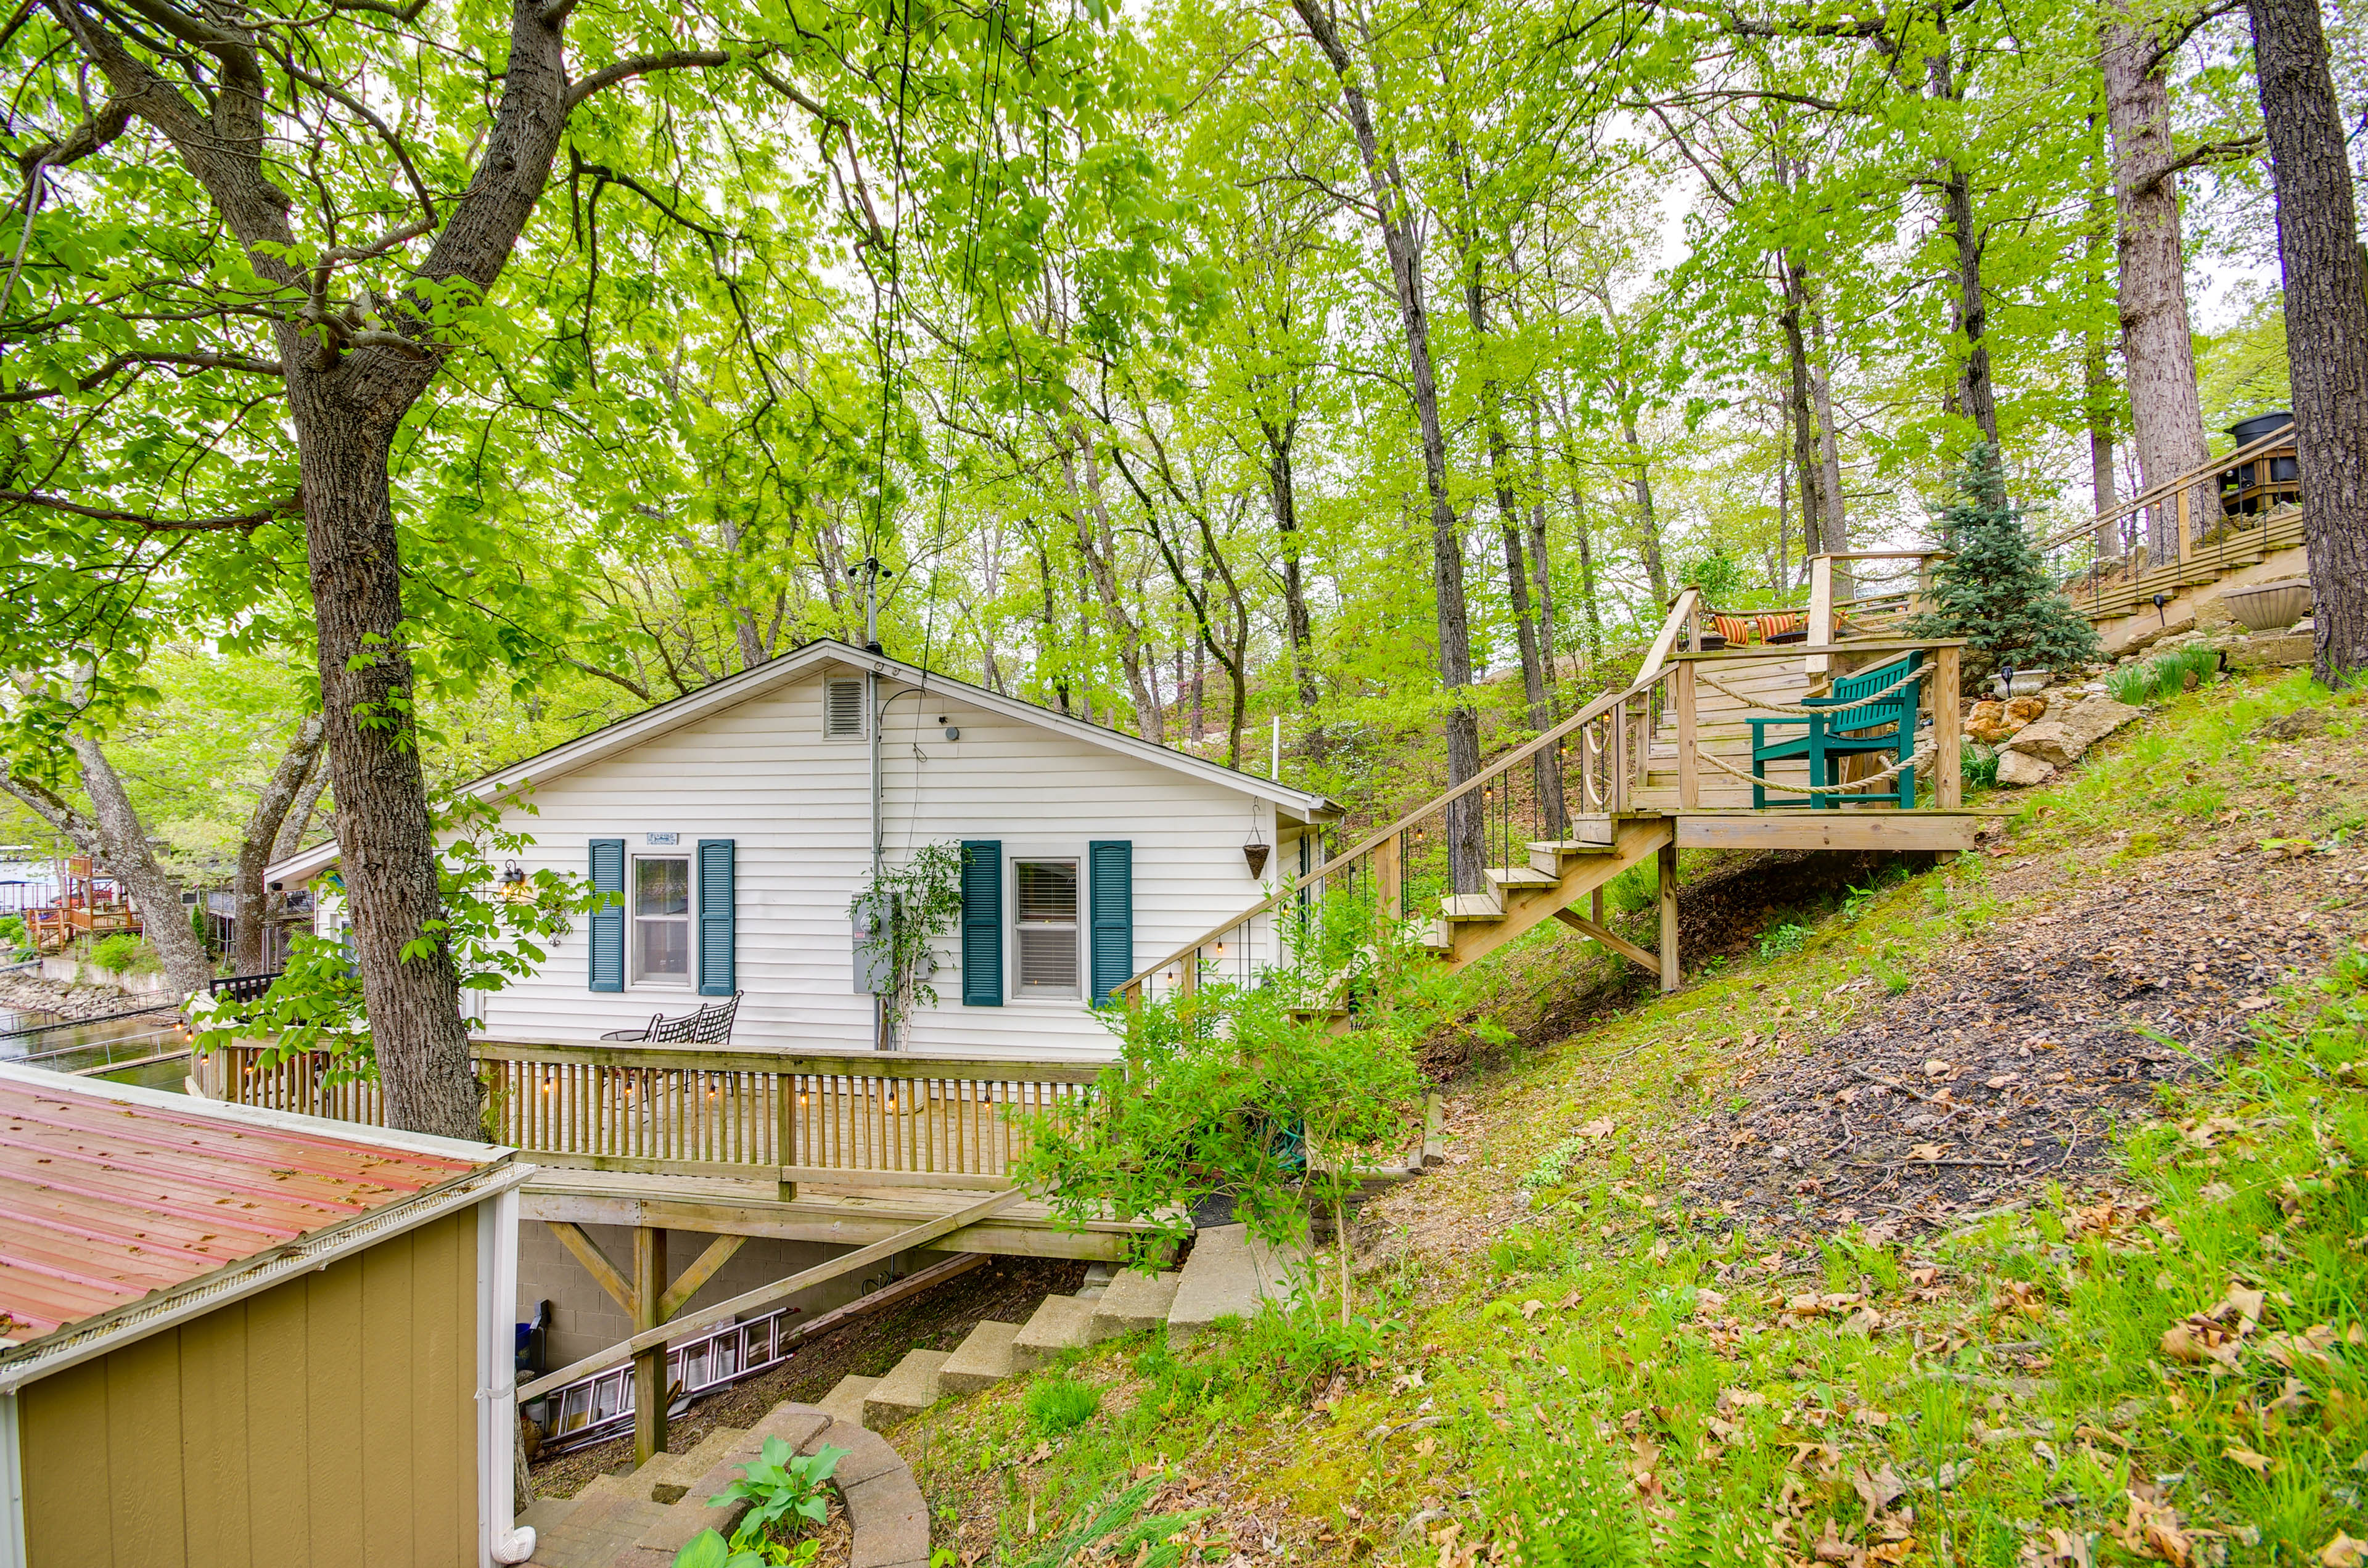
(842, 709)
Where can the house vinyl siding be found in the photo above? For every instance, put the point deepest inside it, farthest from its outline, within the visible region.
(797, 807)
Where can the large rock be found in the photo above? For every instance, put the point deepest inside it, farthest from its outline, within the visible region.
(2020, 770)
(2060, 741)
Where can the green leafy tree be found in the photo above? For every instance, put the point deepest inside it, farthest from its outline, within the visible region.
(1993, 589)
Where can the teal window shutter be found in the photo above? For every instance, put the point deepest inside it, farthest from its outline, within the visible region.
(982, 923)
(609, 920)
(715, 934)
(1111, 879)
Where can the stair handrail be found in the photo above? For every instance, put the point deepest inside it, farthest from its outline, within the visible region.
(1649, 673)
(2282, 437)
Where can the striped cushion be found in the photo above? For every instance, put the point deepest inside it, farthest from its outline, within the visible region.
(1778, 625)
(1733, 628)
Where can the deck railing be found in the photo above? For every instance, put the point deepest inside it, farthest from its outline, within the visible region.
(2186, 509)
(885, 1120)
(1597, 757)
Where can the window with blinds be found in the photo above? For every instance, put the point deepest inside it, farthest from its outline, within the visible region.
(1044, 921)
(842, 709)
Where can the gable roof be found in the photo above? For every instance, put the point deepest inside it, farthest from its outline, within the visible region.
(1292, 805)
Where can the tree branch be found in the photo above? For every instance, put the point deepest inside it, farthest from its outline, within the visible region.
(2205, 153)
(636, 65)
(292, 507)
(122, 361)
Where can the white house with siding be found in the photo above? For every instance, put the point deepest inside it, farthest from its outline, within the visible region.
(738, 824)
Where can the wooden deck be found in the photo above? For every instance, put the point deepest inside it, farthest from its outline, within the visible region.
(849, 1216)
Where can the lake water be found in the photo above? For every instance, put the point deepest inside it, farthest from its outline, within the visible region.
(43, 1039)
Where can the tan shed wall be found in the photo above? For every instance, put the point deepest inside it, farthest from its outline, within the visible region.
(328, 1421)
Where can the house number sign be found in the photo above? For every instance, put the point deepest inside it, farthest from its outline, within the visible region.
(662, 838)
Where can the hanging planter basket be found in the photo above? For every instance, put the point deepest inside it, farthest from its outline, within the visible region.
(1256, 854)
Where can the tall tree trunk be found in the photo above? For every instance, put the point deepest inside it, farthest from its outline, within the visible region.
(2157, 346)
(1782, 582)
(1836, 527)
(1099, 547)
(1283, 495)
(1648, 530)
(386, 837)
(1799, 405)
(2326, 320)
(1545, 775)
(259, 839)
(1968, 307)
(1579, 529)
(1386, 185)
(2097, 388)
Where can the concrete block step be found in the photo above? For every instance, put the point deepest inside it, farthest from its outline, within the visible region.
(1061, 1322)
(910, 1387)
(980, 1361)
(685, 1468)
(845, 1401)
(1230, 1274)
(1133, 1304)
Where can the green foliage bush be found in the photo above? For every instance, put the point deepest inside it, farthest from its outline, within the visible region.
(12, 931)
(119, 954)
(2132, 684)
(1978, 766)
(783, 1491)
(1785, 939)
(1060, 1403)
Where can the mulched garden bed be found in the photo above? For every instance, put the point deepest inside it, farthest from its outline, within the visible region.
(1004, 1290)
(2014, 1066)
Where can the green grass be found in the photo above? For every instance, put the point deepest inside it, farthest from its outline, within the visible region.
(1060, 1403)
(1585, 1386)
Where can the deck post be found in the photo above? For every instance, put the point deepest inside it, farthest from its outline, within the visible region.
(1821, 615)
(2183, 494)
(1388, 870)
(649, 1366)
(1689, 766)
(785, 1122)
(1669, 877)
(1948, 738)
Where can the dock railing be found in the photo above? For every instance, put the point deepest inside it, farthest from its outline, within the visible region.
(835, 1120)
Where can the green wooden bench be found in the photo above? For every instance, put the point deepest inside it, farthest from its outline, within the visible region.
(1856, 722)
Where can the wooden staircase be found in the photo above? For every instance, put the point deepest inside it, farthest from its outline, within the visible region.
(1632, 774)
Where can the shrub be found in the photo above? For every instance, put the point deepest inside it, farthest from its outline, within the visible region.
(1058, 1404)
(783, 1491)
(118, 953)
(1785, 938)
(12, 930)
(1978, 765)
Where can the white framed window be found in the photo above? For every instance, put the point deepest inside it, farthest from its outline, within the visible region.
(842, 708)
(660, 907)
(1044, 926)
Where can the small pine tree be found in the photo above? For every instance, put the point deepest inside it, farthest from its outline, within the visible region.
(1993, 590)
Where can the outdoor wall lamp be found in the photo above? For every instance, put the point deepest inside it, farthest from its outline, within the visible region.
(513, 875)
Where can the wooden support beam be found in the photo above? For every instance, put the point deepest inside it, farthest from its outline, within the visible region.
(655, 1336)
(1388, 863)
(605, 1274)
(1821, 613)
(1669, 958)
(1617, 943)
(650, 1392)
(702, 1268)
(1948, 734)
(1689, 764)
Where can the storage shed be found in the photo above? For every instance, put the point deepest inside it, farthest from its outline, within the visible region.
(231, 1335)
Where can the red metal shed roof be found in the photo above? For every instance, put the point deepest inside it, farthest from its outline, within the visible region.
(105, 1198)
